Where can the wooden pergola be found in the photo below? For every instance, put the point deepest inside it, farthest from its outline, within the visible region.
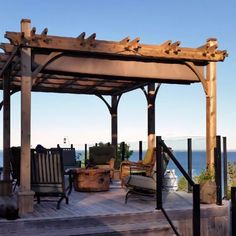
(85, 65)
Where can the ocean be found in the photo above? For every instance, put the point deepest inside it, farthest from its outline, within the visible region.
(198, 161)
(198, 157)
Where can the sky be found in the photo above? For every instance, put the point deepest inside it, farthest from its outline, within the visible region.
(180, 109)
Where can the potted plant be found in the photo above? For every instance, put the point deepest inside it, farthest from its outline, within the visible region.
(207, 186)
(231, 177)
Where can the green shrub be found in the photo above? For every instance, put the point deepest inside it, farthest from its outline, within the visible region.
(205, 175)
(182, 184)
(231, 178)
(128, 153)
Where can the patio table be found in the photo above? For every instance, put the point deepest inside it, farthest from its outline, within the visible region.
(91, 179)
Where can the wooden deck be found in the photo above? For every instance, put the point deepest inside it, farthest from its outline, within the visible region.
(105, 213)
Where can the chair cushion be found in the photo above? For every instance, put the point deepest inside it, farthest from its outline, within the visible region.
(148, 156)
(140, 182)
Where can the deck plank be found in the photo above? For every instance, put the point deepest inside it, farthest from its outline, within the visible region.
(101, 213)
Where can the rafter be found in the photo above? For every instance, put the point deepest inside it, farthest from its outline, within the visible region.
(167, 51)
(86, 65)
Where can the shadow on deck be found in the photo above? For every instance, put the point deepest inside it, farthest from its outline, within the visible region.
(105, 213)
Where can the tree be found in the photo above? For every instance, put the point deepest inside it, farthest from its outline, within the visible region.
(127, 154)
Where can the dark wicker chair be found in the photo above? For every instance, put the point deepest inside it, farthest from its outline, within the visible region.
(69, 163)
(103, 157)
(15, 166)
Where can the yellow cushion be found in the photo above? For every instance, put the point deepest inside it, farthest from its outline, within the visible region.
(148, 156)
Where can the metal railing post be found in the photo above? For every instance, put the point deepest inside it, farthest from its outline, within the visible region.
(140, 150)
(159, 168)
(218, 171)
(85, 152)
(123, 151)
(225, 167)
(233, 211)
(189, 162)
(196, 210)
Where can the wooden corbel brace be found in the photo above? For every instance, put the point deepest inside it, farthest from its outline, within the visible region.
(199, 75)
(148, 97)
(105, 101)
(11, 93)
(9, 60)
(145, 92)
(52, 56)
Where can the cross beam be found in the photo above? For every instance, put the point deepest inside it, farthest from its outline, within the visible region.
(123, 48)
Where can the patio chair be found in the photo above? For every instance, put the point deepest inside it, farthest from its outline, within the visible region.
(143, 167)
(144, 185)
(47, 175)
(69, 157)
(103, 157)
(69, 163)
(15, 153)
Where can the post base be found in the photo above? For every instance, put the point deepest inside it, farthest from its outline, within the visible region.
(5, 188)
(25, 202)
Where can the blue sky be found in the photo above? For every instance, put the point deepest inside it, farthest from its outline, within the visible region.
(180, 109)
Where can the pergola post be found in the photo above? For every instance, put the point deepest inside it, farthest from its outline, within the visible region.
(211, 110)
(6, 188)
(113, 111)
(151, 95)
(25, 195)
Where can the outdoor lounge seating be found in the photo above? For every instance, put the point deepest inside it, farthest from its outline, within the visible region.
(69, 163)
(143, 167)
(15, 166)
(103, 157)
(68, 156)
(47, 175)
(144, 185)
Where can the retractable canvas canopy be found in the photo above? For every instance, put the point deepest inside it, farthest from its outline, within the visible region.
(85, 65)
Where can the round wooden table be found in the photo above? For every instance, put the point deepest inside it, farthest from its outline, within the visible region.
(94, 180)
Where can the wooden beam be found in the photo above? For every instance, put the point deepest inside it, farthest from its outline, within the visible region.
(122, 69)
(7, 47)
(170, 51)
